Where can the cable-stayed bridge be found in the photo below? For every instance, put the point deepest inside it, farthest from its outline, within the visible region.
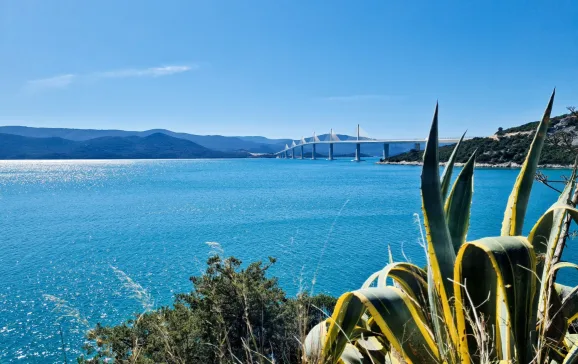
(361, 138)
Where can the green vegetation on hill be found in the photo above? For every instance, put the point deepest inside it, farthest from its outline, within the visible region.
(511, 145)
(534, 124)
(524, 127)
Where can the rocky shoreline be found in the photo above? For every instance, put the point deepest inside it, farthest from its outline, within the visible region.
(509, 165)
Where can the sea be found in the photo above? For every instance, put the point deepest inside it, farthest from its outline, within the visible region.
(96, 241)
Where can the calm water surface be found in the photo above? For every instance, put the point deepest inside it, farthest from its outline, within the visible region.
(75, 234)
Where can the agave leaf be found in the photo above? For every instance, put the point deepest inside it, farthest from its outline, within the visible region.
(402, 323)
(459, 202)
(503, 268)
(556, 267)
(372, 279)
(374, 327)
(557, 325)
(390, 359)
(545, 234)
(370, 343)
(372, 350)
(346, 315)
(570, 339)
(314, 341)
(569, 297)
(447, 175)
(399, 271)
(351, 355)
(518, 201)
(561, 243)
(408, 277)
(360, 354)
(562, 306)
(435, 308)
(543, 237)
(441, 254)
(572, 357)
(397, 317)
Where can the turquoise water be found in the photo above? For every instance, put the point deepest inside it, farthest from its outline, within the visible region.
(73, 233)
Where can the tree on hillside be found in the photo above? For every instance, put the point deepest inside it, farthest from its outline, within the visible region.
(565, 137)
(562, 139)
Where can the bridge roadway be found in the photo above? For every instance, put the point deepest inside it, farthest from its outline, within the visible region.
(386, 142)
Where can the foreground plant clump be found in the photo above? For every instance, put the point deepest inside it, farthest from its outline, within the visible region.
(233, 315)
(493, 300)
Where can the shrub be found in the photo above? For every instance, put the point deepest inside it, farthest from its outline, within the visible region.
(232, 315)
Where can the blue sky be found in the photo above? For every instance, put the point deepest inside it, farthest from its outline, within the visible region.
(286, 68)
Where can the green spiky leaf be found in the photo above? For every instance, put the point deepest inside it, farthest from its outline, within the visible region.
(447, 175)
(495, 277)
(440, 250)
(459, 202)
(518, 201)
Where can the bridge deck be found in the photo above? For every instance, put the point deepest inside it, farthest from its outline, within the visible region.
(370, 141)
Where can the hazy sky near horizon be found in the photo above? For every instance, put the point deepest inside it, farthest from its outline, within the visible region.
(286, 68)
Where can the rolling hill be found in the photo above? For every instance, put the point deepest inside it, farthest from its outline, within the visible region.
(509, 146)
(153, 146)
(216, 142)
(227, 144)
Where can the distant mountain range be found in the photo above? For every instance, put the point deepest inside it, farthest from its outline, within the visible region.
(21, 142)
(216, 142)
(153, 146)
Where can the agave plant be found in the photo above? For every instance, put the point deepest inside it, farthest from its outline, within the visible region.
(492, 300)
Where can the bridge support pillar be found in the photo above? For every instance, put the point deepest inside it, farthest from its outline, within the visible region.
(285, 155)
(330, 152)
(301, 152)
(292, 153)
(385, 151)
(417, 147)
(357, 152)
(313, 152)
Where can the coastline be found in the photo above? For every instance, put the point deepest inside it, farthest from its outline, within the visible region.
(506, 165)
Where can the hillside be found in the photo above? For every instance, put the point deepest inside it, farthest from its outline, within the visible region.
(216, 142)
(154, 146)
(228, 144)
(510, 145)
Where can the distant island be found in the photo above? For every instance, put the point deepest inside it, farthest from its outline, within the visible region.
(508, 147)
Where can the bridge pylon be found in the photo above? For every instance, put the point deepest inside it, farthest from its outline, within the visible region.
(385, 151)
(357, 148)
(315, 139)
(330, 157)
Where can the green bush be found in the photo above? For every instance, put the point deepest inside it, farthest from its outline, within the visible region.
(233, 315)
